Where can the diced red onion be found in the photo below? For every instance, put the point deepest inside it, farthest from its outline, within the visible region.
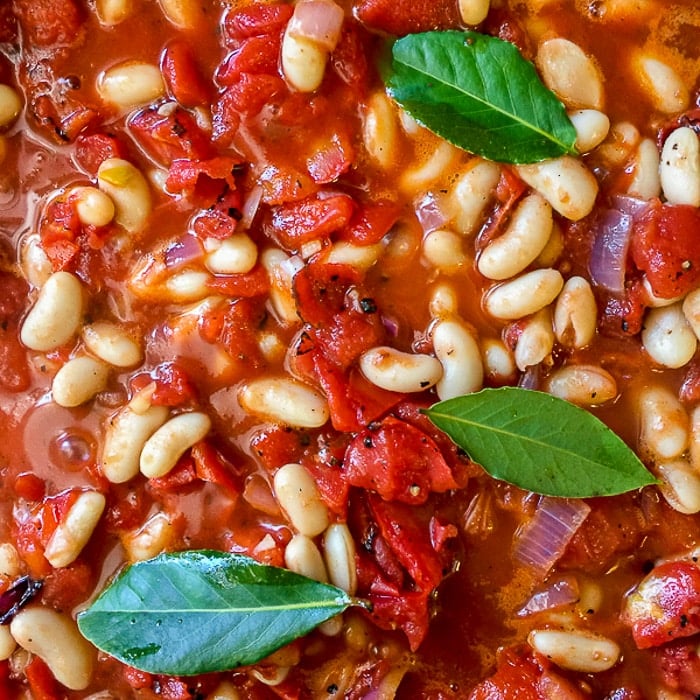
(557, 594)
(250, 206)
(391, 326)
(319, 21)
(182, 252)
(430, 212)
(609, 254)
(633, 206)
(541, 541)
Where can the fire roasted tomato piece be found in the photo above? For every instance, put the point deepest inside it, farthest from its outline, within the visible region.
(182, 76)
(255, 20)
(49, 22)
(664, 246)
(665, 605)
(679, 665)
(408, 16)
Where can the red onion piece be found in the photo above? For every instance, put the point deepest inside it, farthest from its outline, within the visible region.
(633, 206)
(562, 592)
(608, 262)
(182, 252)
(430, 213)
(319, 21)
(541, 541)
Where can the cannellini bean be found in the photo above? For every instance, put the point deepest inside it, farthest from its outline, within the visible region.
(128, 189)
(75, 529)
(225, 691)
(444, 250)
(694, 449)
(459, 354)
(361, 257)
(578, 650)
(396, 370)
(299, 498)
(94, 207)
(402, 244)
(553, 248)
(302, 556)
(566, 183)
(443, 300)
(661, 83)
(7, 643)
(585, 385)
(691, 311)
(524, 295)
(10, 105)
(167, 444)
(339, 552)
(569, 72)
(34, 262)
(188, 286)
(131, 84)
(153, 537)
(281, 269)
(54, 637)
(575, 313)
(125, 435)
(112, 344)
(668, 337)
(284, 400)
(592, 126)
(236, 254)
(56, 315)
(10, 562)
(380, 129)
(79, 380)
(664, 430)
(473, 12)
(680, 167)
(471, 194)
(656, 302)
(440, 160)
(184, 14)
(646, 183)
(536, 340)
(524, 239)
(679, 484)
(303, 62)
(112, 12)
(499, 363)
(618, 147)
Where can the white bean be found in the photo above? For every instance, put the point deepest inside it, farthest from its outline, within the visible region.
(694, 448)
(184, 14)
(79, 380)
(236, 254)
(302, 556)
(524, 239)
(153, 537)
(131, 84)
(168, 443)
(623, 138)
(303, 62)
(112, 344)
(339, 553)
(444, 250)
(225, 691)
(34, 262)
(112, 12)
(10, 105)
(592, 126)
(284, 400)
(472, 193)
(499, 363)
(569, 72)
(128, 189)
(585, 385)
(553, 248)
(664, 430)
(56, 315)
(361, 257)
(524, 295)
(578, 650)
(75, 529)
(10, 562)
(691, 311)
(280, 269)
(566, 183)
(661, 83)
(680, 167)
(459, 354)
(655, 302)
(187, 286)
(443, 301)
(7, 643)
(536, 340)
(54, 637)
(667, 336)
(125, 435)
(473, 12)
(380, 130)
(299, 498)
(646, 183)
(396, 370)
(679, 484)
(93, 206)
(440, 160)
(575, 314)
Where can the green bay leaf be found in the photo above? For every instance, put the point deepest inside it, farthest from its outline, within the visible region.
(200, 611)
(540, 443)
(479, 93)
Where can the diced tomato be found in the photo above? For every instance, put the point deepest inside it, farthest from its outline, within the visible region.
(664, 247)
(8, 24)
(371, 222)
(331, 159)
(172, 384)
(211, 466)
(665, 605)
(251, 92)
(245, 284)
(349, 58)
(255, 20)
(331, 485)
(182, 75)
(29, 486)
(204, 181)
(13, 358)
(92, 149)
(679, 666)
(179, 477)
(258, 54)
(68, 586)
(622, 316)
(42, 684)
(277, 445)
(408, 16)
(49, 22)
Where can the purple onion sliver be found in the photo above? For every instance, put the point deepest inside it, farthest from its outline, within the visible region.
(609, 254)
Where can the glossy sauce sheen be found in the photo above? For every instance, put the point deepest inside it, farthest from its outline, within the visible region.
(283, 148)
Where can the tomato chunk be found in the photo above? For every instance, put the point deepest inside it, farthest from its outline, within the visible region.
(408, 16)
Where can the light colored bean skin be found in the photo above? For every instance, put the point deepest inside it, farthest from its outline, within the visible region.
(679, 484)
(280, 272)
(361, 257)
(566, 183)
(458, 352)
(78, 381)
(93, 206)
(56, 315)
(424, 175)
(10, 105)
(585, 385)
(285, 400)
(575, 314)
(646, 183)
(664, 430)
(125, 435)
(73, 532)
(303, 62)
(443, 249)
(680, 167)
(443, 301)
(152, 538)
(128, 189)
(7, 643)
(112, 344)
(536, 341)
(523, 240)
(668, 337)
(55, 639)
(577, 650)
(34, 263)
(302, 556)
(471, 194)
(112, 12)
(339, 553)
(131, 84)
(380, 129)
(592, 126)
(400, 371)
(184, 14)
(524, 295)
(298, 496)
(10, 562)
(694, 448)
(473, 12)
(234, 255)
(661, 83)
(499, 363)
(691, 311)
(169, 442)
